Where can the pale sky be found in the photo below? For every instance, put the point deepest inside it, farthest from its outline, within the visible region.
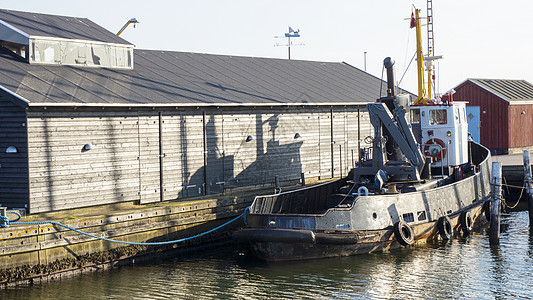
(478, 39)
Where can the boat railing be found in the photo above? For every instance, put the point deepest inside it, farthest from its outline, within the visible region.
(311, 200)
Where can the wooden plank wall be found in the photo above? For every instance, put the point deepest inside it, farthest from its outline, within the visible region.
(324, 147)
(202, 151)
(13, 166)
(520, 126)
(149, 175)
(494, 117)
(63, 175)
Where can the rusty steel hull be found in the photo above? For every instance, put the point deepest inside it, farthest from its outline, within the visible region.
(303, 224)
(367, 241)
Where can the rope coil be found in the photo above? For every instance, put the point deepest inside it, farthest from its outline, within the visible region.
(6, 222)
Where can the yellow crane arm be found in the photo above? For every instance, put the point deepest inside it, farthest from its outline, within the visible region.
(130, 21)
(422, 98)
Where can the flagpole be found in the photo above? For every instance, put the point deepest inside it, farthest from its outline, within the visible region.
(289, 47)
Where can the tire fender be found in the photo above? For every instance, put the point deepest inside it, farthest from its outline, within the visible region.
(445, 228)
(466, 222)
(403, 233)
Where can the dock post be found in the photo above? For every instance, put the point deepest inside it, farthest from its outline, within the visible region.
(529, 186)
(302, 178)
(495, 205)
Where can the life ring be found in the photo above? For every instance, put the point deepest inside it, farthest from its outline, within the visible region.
(403, 233)
(445, 228)
(435, 152)
(466, 222)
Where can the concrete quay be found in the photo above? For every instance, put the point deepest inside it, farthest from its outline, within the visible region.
(37, 253)
(512, 168)
(509, 159)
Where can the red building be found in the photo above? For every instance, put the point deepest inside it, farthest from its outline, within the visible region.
(505, 112)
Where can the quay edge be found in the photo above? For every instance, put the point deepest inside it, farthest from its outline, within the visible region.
(36, 253)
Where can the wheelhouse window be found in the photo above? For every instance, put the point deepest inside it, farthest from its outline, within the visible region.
(415, 115)
(438, 117)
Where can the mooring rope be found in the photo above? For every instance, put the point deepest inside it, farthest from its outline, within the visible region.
(6, 222)
(522, 188)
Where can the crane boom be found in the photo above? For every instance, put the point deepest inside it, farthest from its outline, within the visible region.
(130, 21)
(422, 98)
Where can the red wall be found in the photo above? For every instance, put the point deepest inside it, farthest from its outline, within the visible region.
(495, 128)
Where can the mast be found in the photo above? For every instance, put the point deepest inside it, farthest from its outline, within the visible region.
(431, 45)
(431, 41)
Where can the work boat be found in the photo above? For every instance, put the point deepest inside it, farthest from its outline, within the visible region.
(421, 180)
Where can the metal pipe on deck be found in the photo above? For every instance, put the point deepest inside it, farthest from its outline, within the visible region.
(393, 151)
(391, 86)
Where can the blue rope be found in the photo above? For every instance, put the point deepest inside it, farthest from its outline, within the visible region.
(5, 222)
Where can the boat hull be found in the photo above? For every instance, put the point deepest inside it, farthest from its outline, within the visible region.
(316, 221)
(364, 241)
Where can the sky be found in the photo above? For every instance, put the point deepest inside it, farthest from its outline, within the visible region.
(477, 38)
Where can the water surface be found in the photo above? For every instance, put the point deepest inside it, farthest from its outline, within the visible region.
(466, 268)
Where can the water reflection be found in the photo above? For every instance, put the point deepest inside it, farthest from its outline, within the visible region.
(467, 268)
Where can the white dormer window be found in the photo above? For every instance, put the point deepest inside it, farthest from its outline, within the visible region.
(59, 40)
(80, 53)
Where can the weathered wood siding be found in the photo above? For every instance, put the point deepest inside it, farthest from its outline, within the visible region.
(494, 116)
(13, 166)
(520, 126)
(202, 151)
(149, 173)
(63, 175)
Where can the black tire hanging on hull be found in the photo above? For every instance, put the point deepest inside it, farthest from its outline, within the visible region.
(466, 222)
(403, 233)
(445, 228)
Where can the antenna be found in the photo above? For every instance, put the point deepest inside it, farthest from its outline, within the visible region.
(431, 41)
(431, 52)
(292, 33)
(365, 61)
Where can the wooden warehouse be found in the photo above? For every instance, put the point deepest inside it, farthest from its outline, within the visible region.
(504, 109)
(86, 119)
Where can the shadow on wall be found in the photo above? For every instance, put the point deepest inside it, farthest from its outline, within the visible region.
(282, 160)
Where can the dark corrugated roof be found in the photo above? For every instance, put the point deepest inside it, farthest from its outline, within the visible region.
(35, 24)
(168, 78)
(510, 90)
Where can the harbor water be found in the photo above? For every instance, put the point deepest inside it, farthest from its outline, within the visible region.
(466, 268)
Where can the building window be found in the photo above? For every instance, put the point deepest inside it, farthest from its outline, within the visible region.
(80, 53)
